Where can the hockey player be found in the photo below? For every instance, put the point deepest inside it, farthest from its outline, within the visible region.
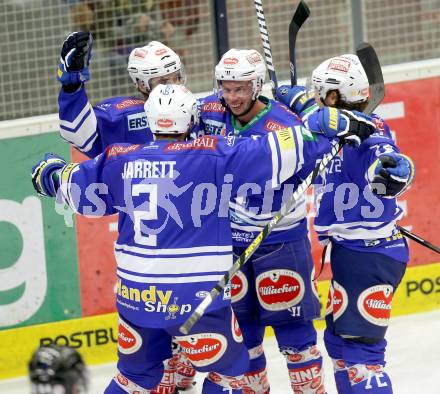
(57, 369)
(174, 239)
(124, 120)
(357, 214)
(116, 130)
(275, 287)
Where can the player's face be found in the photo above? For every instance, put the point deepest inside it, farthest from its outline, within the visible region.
(237, 96)
(174, 78)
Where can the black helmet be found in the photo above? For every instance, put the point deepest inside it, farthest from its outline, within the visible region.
(57, 369)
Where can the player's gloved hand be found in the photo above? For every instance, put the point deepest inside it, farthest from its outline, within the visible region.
(295, 97)
(75, 58)
(43, 179)
(353, 127)
(392, 170)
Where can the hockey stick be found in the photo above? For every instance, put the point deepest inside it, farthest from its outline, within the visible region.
(301, 14)
(266, 44)
(213, 294)
(366, 55)
(370, 60)
(418, 239)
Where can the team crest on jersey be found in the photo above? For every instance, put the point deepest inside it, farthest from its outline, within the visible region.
(337, 300)
(239, 286)
(374, 304)
(129, 103)
(203, 349)
(235, 328)
(272, 125)
(129, 341)
(279, 289)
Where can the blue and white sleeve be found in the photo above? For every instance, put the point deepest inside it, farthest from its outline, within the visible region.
(78, 121)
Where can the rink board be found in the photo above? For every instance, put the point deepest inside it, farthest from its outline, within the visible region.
(57, 271)
(96, 337)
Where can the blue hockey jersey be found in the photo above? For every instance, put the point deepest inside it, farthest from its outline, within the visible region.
(174, 239)
(92, 129)
(348, 212)
(254, 208)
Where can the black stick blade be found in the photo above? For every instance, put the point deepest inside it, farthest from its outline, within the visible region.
(301, 14)
(370, 62)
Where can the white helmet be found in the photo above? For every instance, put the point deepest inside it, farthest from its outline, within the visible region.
(171, 109)
(343, 73)
(151, 61)
(241, 65)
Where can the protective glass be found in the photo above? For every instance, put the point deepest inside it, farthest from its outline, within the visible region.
(175, 78)
(240, 89)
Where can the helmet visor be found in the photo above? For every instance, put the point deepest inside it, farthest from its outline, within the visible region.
(175, 78)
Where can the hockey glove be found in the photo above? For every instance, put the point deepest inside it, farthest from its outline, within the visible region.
(44, 174)
(295, 97)
(75, 59)
(353, 127)
(392, 170)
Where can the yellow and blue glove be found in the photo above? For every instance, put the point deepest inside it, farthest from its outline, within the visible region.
(295, 97)
(45, 174)
(352, 127)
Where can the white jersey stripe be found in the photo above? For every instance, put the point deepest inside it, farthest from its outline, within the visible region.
(250, 229)
(289, 158)
(275, 161)
(80, 137)
(181, 279)
(78, 119)
(166, 266)
(358, 230)
(300, 147)
(249, 215)
(175, 251)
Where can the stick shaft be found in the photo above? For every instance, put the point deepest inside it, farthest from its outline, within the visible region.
(266, 43)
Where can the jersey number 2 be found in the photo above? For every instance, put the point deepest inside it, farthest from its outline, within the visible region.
(150, 214)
